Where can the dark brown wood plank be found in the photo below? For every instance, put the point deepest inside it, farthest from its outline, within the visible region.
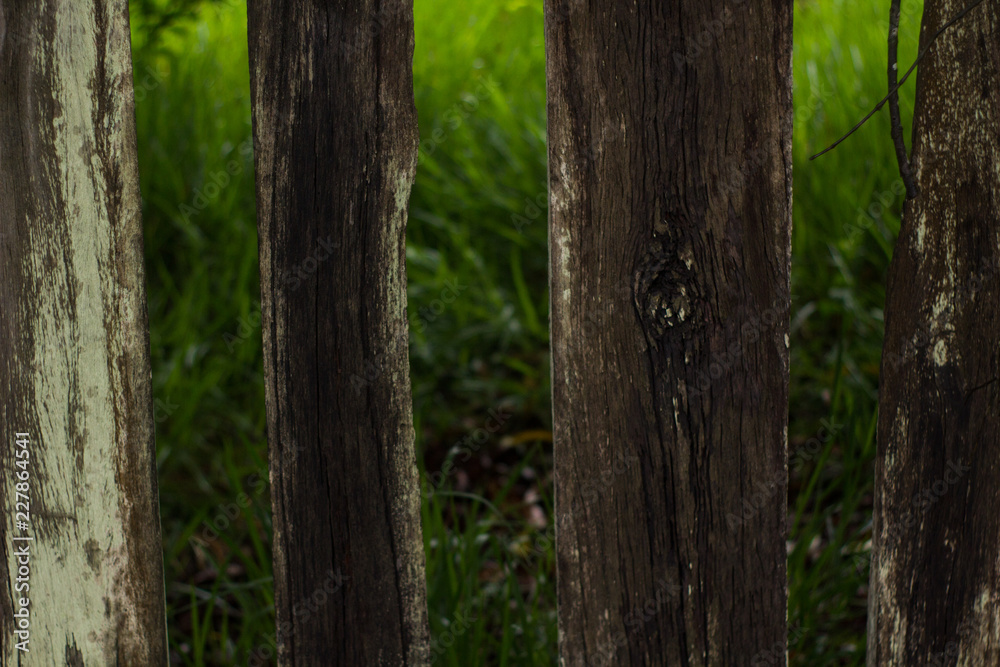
(670, 216)
(335, 137)
(935, 581)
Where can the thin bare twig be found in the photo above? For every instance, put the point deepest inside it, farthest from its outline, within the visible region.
(885, 99)
(895, 122)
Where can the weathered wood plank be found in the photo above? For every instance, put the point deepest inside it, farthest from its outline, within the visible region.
(935, 580)
(670, 220)
(335, 137)
(74, 350)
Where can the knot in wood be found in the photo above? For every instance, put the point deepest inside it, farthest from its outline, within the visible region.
(664, 287)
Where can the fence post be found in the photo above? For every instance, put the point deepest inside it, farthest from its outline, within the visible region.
(82, 581)
(935, 576)
(670, 131)
(335, 137)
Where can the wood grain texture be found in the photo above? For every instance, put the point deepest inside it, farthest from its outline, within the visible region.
(74, 347)
(335, 137)
(935, 581)
(670, 219)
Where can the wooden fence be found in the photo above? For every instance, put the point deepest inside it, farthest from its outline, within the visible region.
(670, 245)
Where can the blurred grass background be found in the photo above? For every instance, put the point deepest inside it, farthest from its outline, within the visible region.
(478, 308)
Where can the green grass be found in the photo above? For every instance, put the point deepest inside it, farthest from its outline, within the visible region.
(478, 307)
(839, 264)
